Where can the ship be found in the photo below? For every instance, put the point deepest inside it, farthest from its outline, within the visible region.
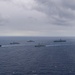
(14, 43)
(60, 40)
(0, 45)
(40, 45)
(30, 41)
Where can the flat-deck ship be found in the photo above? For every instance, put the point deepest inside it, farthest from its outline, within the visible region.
(60, 40)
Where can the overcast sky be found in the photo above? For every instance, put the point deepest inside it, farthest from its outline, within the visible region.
(37, 17)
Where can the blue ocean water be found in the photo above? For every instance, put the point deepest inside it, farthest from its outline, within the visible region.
(26, 59)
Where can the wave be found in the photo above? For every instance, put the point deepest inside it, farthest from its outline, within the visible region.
(34, 45)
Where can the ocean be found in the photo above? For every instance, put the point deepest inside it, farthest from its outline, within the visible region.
(54, 58)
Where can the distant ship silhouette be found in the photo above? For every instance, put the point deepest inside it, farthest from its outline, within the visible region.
(30, 41)
(0, 45)
(60, 40)
(40, 45)
(14, 43)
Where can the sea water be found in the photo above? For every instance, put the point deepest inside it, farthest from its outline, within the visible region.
(55, 58)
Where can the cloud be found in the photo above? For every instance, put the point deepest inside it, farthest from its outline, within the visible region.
(37, 17)
(58, 10)
(69, 4)
(6, 0)
(2, 20)
(25, 4)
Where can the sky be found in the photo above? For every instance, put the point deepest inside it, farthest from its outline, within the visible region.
(37, 17)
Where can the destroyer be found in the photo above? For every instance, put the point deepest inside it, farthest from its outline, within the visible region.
(30, 41)
(14, 43)
(40, 45)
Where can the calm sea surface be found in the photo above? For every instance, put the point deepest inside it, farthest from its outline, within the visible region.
(56, 58)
